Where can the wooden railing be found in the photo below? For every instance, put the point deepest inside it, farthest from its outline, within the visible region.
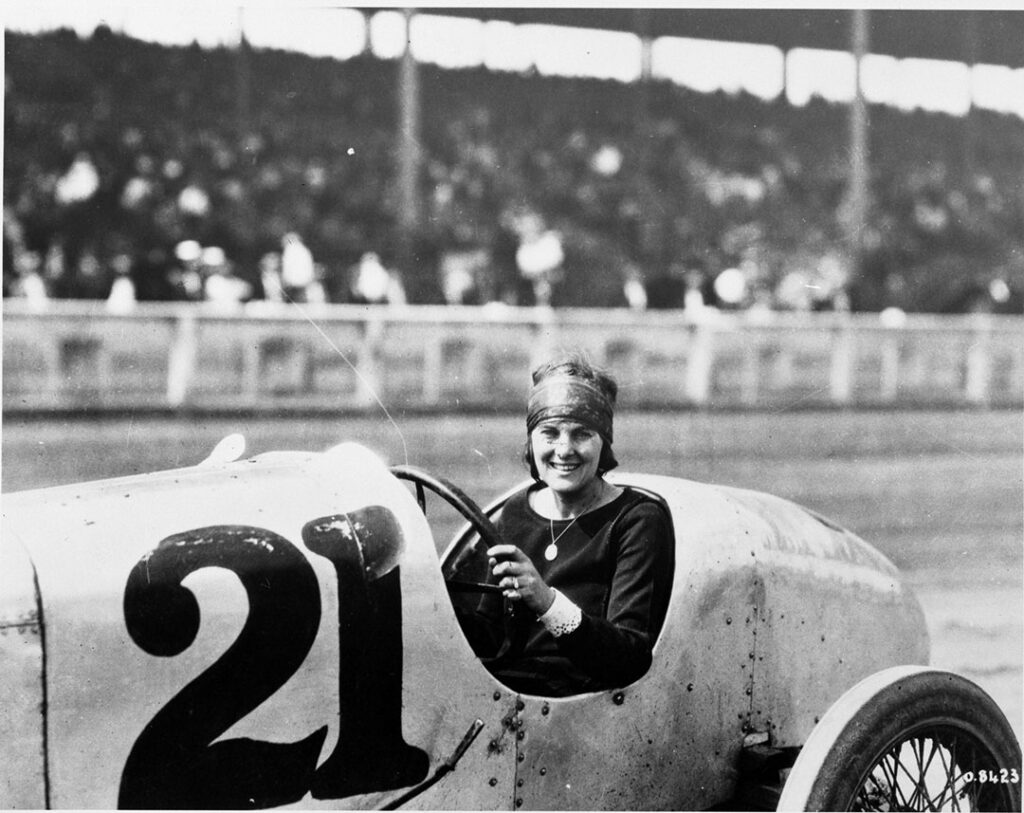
(179, 356)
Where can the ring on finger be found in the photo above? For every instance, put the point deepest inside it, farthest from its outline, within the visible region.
(515, 583)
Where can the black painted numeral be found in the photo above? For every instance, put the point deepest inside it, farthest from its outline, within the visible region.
(173, 763)
(364, 546)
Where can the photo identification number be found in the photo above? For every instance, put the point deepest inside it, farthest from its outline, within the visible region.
(1005, 776)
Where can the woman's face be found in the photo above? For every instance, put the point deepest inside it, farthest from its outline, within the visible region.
(566, 454)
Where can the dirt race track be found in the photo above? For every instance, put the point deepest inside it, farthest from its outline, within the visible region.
(940, 493)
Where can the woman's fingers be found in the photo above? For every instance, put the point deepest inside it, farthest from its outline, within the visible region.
(505, 552)
(506, 568)
(518, 578)
(507, 559)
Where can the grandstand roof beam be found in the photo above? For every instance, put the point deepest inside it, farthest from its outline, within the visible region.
(968, 35)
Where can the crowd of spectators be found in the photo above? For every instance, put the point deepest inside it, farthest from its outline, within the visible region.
(136, 171)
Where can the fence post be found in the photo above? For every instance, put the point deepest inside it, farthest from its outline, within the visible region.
(433, 367)
(890, 372)
(782, 368)
(840, 372)
(181, 361)
(751, 375)
(699, 362)
(54, 375)
(544, 332)
(252, 356)
(368, 370)
(979, 362)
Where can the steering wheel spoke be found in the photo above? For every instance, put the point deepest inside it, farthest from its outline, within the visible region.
(457, 586)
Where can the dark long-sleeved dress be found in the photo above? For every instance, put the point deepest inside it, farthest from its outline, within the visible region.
(615, 563)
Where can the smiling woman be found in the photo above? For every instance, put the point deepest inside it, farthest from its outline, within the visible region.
(586, 566)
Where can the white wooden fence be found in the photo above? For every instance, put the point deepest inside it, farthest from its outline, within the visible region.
(180, 356)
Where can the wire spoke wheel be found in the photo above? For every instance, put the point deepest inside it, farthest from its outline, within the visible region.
(909, 738)
(937, 769)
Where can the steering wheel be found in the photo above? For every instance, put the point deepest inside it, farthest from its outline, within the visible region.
(457, 499)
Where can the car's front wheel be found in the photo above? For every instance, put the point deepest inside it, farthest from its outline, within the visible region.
(908, 738)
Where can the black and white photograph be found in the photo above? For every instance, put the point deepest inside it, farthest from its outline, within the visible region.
(537, 407)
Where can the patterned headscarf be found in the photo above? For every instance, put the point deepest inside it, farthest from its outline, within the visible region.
(572, 398)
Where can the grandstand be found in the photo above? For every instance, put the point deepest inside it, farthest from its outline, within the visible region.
(234, 147)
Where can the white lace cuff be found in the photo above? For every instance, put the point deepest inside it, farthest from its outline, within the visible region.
(562, 616)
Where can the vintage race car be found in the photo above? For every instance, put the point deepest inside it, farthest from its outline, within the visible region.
(280, 630)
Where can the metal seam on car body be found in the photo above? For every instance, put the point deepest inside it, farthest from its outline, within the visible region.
(45, 703)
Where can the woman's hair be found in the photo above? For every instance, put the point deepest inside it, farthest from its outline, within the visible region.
(577, 365)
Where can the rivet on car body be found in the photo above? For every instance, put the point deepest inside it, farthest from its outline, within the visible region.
(521, 757)
(519, 802)
(689, 687)
(543, 771)
(520, 783)
(545, 709)
(520, 735)
(728, 619)
(492, 781)
(618, 698)
(520, 705)
(497, 695)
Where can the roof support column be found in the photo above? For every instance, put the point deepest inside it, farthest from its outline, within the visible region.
(858, 193)
(409, 156)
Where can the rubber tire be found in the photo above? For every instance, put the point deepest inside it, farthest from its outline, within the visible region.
(884, 709)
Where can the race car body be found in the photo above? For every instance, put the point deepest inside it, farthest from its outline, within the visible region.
(278, 631)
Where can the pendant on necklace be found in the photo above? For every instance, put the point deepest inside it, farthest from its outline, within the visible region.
(550, 552)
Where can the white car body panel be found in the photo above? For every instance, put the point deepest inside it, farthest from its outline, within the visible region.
(770, 619)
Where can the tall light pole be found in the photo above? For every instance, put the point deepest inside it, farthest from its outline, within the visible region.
(243, 79)
(858, 194)
(409, 156)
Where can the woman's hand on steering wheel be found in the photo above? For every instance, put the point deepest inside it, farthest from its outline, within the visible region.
(519, 579)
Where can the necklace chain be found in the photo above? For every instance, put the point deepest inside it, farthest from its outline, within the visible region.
(551, 551)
